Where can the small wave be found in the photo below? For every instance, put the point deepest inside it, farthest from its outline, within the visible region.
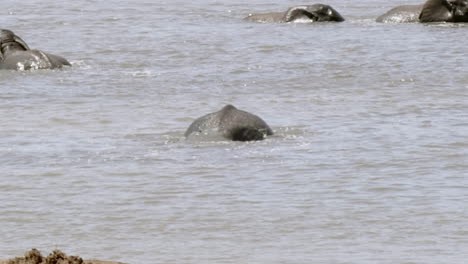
(446, 25)
(291, 132)
(142, 74)
(80, 64)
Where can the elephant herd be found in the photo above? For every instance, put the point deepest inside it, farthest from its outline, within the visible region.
(455, 11)
(230, 122)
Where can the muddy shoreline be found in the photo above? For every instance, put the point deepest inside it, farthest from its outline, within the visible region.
(34, 256)
(91, 261)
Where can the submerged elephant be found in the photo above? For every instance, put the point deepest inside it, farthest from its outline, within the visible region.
(444, 11)
(431, 11)
(401, 14)
(306, 13)
(231, 123)
(16, 55)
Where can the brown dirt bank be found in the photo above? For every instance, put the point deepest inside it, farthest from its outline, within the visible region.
(56, 257)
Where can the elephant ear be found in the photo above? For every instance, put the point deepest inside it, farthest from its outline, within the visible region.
(327, 13)
(21, 43)
(436, 11)
(299, 11)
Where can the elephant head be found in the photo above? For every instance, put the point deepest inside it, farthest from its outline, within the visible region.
(444, 11)
(436, 11)
(10, 42)
(317, 12)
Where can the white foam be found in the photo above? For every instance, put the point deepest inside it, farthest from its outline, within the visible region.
(303, 20)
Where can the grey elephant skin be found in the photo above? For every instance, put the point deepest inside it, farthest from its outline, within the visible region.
(401, 14)
(431, 11)
(16, 55)
(444, 11)
(231, 123)
(306, 13)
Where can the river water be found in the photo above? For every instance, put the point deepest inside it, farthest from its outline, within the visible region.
(368, 164)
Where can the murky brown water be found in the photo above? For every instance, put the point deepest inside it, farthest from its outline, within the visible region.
(368, 164)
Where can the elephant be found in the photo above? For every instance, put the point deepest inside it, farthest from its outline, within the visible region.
(444, 11)
(305, 13)
(431, 11)
(401, 14)
(16, 55)
(231, 123)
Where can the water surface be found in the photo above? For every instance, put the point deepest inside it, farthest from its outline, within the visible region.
(368, 163)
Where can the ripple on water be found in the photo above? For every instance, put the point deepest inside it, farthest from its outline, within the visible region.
(367, 162)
